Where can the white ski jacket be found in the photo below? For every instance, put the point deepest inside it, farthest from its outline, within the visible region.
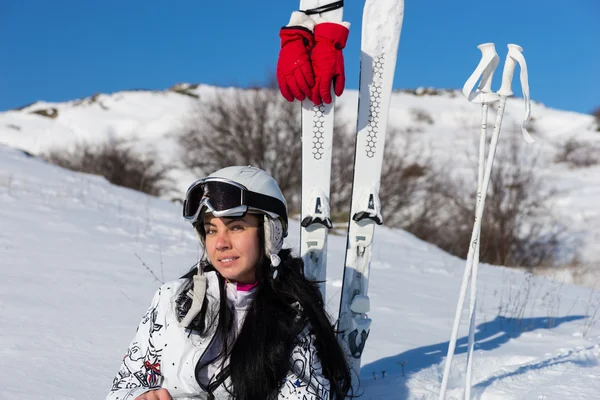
(164, 355)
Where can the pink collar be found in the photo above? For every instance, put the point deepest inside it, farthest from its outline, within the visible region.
(246, 287)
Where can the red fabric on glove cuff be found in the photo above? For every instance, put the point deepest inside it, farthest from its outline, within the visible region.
(328, 61)
(294, 71)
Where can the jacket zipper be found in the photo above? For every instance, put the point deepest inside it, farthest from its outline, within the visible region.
(197, 367)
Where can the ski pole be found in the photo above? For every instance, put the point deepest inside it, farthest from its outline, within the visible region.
(487, 97)
(484, 72)
(484, 95)
(514, 56)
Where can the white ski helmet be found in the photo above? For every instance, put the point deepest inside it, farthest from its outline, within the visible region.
(235, 191)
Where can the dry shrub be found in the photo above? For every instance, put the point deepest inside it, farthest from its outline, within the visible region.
(256, 127)
(342, 170)
(51, 113)
(402, 172)
(596, 114)
(517, 227)
(578, 154)
(420, 115)
(118, 163)
(246, 127)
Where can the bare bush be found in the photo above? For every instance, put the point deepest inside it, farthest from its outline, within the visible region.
(342, 171)
(186, 89)
(118, 163)
(517, 228)
(430, 91)
(401, 175)
(531, 125)
(578, 154)
(422, 116)
(51, 113)
(246, 127)
(596, 114)
(566, 150)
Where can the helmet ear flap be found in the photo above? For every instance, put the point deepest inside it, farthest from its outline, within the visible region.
(274, 234)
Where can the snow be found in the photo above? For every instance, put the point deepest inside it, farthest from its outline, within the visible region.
(81, 258)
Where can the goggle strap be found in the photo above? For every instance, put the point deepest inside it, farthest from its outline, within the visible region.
(264, 202)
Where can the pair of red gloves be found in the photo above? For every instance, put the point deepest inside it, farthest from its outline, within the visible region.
(309, 63)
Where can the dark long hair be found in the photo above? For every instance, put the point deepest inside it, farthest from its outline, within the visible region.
(260, 356)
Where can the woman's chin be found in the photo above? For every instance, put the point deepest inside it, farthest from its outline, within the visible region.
(233, 276)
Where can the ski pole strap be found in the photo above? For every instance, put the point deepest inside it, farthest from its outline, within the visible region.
(324, 8)
(518, 56)
(485, 70)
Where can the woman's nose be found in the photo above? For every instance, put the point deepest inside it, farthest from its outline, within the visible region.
(223, 242)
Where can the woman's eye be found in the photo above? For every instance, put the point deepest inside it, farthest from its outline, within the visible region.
(209, 231)
(237, 228)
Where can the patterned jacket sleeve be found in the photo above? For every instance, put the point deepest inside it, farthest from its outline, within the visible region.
(140, 369)
(305, 380)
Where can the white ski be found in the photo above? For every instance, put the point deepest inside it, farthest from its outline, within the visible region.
(382, 23)
(317, 134)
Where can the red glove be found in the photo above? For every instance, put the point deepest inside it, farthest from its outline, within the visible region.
(294, 71)
(328, 60)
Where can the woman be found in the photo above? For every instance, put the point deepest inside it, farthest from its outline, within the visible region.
(245, 323)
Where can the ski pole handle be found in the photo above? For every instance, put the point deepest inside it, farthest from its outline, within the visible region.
(489, 50)
(515, 55)
(518, 56)
(509, 71)
(485, 69)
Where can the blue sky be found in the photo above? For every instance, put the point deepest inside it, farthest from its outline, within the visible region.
(61, 50)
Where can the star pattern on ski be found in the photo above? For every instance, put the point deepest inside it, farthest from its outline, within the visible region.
(318, 131)
(375, 104)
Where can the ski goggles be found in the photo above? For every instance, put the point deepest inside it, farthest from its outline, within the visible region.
(224, 198)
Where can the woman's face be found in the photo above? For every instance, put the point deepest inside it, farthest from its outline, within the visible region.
(233, 246)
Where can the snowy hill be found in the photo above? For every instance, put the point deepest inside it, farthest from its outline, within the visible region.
(81, 258)
(442, 122)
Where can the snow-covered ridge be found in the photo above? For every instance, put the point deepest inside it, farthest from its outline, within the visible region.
(441, 121)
